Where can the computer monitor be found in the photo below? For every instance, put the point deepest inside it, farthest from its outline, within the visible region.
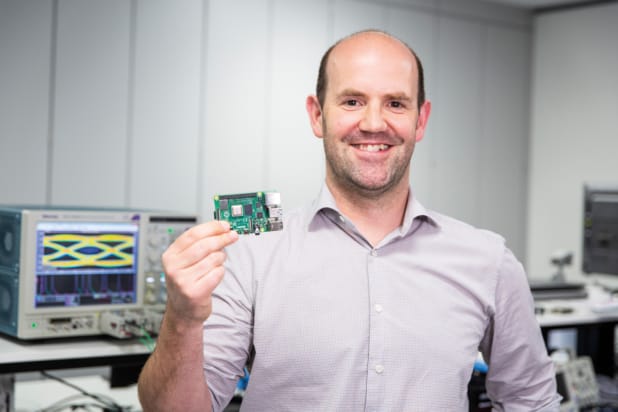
(600, 229)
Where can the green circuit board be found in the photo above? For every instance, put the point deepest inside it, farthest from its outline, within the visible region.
(248, 213)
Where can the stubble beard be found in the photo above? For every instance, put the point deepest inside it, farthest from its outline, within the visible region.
(370, 184)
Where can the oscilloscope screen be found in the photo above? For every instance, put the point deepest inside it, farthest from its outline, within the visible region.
(86, 263)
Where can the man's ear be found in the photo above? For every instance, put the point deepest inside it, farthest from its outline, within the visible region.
(423, 118)
(315, 115)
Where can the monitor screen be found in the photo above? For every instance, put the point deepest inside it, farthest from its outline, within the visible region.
(600, 248)
(86, 263)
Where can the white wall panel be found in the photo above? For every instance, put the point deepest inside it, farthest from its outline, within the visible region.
(418, 30)
(238, 54)
(503, 149)
(491, 13)
(351, 16)
(457, 114)
(25, 55)
(90, 108)
(294, 157)
(424, 4)
(574, 132)
(154, 107)
(163, 165)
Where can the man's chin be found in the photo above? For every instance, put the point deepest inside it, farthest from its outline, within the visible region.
(372, 189)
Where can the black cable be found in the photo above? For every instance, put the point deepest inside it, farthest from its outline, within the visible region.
(109, 405)
(70, 402)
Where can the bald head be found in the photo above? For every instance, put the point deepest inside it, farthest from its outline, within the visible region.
(356, 42)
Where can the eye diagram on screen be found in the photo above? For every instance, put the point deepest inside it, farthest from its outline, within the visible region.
(86, 264)
(76, 251)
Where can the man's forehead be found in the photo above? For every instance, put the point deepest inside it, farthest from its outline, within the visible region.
(387, 60)
(366, 42)
(372, 48)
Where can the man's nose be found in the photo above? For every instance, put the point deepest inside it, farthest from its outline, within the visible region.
(373, 119)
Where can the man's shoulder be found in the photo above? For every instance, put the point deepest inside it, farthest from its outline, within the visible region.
(459, 231)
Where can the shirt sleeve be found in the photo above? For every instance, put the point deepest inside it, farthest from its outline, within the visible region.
(228, 331)
(521, 375)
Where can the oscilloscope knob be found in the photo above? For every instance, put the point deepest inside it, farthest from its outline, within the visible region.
(154, 256)
(157, 240)
(150, 291)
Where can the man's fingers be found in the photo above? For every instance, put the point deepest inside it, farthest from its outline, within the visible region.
(199, 288)
(203, 248)
(186, 256)
(193, 266)
(211, 280)
(204, 266)
(198, 232)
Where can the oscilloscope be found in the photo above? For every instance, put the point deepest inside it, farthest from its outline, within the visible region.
(68, 271)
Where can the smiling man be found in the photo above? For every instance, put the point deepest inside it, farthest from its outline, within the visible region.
(370, 115)
(366, 301)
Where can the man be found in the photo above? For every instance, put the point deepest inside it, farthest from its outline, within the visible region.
(366, 300)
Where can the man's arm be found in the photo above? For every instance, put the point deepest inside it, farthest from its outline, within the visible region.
(521, 376)
(173, 377)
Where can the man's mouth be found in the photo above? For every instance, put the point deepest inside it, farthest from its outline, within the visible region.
(372, 147)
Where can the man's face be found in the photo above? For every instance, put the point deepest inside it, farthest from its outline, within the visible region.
(370, 119)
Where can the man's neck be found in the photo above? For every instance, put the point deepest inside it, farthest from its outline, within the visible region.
(373, 217)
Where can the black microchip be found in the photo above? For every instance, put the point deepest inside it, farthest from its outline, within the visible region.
(248, 209)
(259, 215)
(223, 203)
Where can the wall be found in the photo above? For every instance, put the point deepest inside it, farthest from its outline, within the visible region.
(163, 104)
(574, 127)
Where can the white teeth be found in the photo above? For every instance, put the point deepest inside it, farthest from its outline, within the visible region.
(373, 147)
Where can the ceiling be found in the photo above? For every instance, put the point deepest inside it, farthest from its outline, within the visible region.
(543, 4)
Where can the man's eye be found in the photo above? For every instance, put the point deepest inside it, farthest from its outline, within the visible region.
(351, 102)
(396, 105)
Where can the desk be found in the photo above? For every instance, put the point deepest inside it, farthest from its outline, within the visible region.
(27, 356)
(125, 357)
(595, 332)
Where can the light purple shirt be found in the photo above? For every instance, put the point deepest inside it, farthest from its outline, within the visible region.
(338, 325)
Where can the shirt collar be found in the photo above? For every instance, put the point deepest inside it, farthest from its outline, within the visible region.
(325, 203)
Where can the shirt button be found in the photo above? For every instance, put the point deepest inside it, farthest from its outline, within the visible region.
(379, 368)
(342, 219)
(374, 252)
(378, 307)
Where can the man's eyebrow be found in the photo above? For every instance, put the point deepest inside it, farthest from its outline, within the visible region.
(399, 96)
(350, 93)
(389, 96)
